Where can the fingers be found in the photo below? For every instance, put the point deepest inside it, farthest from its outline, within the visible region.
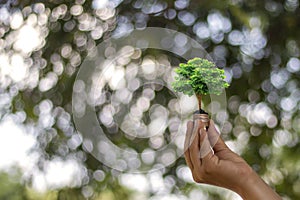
(199, 142)
(189, 131)
(205, 148)
(214, 138)
(195, 146)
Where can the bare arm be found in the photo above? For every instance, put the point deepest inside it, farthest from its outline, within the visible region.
(212, 162)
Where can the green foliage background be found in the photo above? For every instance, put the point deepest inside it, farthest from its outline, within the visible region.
(256, 42)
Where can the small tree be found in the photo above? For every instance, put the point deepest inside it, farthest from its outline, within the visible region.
(199, 76)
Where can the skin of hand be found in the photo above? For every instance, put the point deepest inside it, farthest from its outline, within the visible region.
(212, 162)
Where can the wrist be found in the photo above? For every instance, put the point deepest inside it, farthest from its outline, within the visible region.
(249, 186)
(247, 182)
(255, 188)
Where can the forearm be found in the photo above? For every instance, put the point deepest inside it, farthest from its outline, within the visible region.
(256, 189)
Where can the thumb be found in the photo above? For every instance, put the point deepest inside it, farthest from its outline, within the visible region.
(215, 139)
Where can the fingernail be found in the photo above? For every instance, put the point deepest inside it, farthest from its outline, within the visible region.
(200, 130)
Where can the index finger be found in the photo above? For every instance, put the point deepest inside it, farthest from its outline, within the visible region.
(187, 144)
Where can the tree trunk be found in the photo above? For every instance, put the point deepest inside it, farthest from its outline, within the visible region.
(199, 101)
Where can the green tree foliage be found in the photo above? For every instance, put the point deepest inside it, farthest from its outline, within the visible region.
(199, 76)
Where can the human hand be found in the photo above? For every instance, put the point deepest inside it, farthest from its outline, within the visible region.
(212, 162)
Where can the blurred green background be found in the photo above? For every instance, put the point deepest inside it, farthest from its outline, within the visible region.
(43, 43)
